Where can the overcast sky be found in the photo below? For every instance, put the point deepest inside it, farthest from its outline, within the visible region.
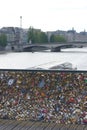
(47, 15)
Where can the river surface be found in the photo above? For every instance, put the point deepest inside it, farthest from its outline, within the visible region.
(25, 60)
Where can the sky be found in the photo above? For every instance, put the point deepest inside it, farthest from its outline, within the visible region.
(47, 15)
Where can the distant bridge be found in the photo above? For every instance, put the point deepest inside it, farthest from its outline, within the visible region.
(34, 48)
(54, 47)
(51, 47)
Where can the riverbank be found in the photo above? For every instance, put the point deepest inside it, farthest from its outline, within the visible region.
(5, 51)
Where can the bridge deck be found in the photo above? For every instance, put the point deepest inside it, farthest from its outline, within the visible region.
(30, 125)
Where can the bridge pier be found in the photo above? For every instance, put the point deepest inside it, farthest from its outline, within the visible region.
(55, 49)
(17, 48)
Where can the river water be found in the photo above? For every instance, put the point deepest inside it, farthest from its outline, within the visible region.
(25, 60)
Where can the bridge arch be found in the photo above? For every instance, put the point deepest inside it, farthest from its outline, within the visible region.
(35, 48)
(58, 48)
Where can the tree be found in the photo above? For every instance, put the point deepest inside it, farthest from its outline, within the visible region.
(57, 38)
(44, 37)
(31, 35)
(52, 38)
(36, 36)
(3, 40)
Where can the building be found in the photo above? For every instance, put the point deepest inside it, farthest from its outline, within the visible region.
(70, 35)
(15, 36)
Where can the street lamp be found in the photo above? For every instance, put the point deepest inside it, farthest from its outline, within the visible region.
(20, 21)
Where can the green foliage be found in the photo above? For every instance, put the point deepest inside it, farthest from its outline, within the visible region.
(36, 36)
(57, 38)
(3, 40)
(31, 35)
(52, 38)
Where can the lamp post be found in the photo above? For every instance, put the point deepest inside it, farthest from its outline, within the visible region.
(20, 35)
(20, 21)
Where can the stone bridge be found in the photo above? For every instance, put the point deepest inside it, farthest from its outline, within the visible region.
(33, 48)
(52, 48)
(55, 47)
